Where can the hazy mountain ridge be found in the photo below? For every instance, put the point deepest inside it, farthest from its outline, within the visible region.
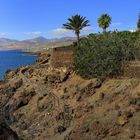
(36, 41)
(35, 44)
(6, 41)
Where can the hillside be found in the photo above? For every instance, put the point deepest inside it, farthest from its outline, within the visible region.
(34, 45)
(4, 42)
(45, 104)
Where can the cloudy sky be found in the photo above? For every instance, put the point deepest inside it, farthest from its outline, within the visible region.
(23, 19)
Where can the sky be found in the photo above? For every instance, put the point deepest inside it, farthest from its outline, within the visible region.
(25, 19)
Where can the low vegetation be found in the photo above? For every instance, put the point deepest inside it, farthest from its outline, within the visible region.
(105, 54)
(131, 47)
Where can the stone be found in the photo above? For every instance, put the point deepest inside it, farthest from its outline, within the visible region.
(60, 116)
(78, 115)
(97, 83)
(23, 126)
(135, 101)
(9, 74)
(64, 76)
(66, 96)
(131, 134)
(7, 89)
(117, 107)
(22, 98)
(53, 78)
(6, 133)
(138, 102)
(101, 96)
(78, 98)
(16, 83)
(60, 129)
(119, 113)
(85, 129)
(122, 120)
(128, 114)
(23, 70)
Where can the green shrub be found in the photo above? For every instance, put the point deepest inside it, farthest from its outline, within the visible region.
(137, 48)
(129, 39)
(99, 55)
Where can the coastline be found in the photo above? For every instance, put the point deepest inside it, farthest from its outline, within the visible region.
(21, 50)
(5, 67)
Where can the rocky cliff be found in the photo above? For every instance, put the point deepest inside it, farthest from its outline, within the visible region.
(41, 103)
(6, 133)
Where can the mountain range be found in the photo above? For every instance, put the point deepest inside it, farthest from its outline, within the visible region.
(35, 44)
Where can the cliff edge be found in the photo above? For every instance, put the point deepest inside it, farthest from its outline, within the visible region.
(43, 103)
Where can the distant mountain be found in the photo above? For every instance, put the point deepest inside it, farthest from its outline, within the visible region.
(4, 41)
(36, 41)
(35, 44)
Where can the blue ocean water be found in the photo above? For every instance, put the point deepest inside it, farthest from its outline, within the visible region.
(14, 59)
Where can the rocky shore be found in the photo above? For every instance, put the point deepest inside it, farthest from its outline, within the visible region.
(41, 103)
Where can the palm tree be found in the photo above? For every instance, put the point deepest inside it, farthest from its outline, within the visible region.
(104, 21)
(76, 23)
(138, 23)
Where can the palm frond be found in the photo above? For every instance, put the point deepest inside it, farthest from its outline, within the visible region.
(104, 21)
(76, 23)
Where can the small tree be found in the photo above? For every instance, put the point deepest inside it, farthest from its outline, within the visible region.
(104, 21)
(138, 23)
(76, 23)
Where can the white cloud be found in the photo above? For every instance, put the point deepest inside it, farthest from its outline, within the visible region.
(33, 33)
(116, 23)
(87, 30)
(60, 31)
(132, 30)
(2, 34)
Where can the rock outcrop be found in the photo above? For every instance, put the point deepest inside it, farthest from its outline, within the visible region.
(41, 103)
(6, 133)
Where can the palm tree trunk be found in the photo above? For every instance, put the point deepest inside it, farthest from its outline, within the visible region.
(104, 30)
(78, 38)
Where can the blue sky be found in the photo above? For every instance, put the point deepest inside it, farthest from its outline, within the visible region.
(23, 19)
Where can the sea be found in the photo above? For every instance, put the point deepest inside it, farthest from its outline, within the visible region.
(14, 59)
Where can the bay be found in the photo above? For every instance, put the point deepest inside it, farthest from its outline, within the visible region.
(13, 60)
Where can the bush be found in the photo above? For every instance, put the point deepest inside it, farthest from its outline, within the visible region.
(129, 39)
(99, 55)
(137, 48)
